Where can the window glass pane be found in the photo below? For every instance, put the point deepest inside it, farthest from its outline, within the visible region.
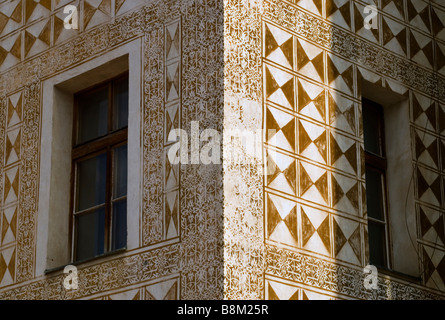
(91, 182)
(377, 244)
(90, 229)
(120, 172)
(119, 225)
(374, 194)
(120, 112)
(93, 115)
(371, 128)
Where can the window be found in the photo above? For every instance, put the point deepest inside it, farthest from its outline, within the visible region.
(99, 170)
(376, 195)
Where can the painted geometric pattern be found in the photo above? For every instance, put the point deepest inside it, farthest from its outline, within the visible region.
(424, 112)
(314, 6)
(418, 15)
(310, 60)
(36, 9)
(372, 77)
(298, 111)
(392, 32)
(316, 227)
(166, 290)
(287, 222)
(395, 8)
(427, 149)
(10, 197)
(37, 37)
(281, 172)
(342, 113)
(282, 220)
(394, 36)
(429, 186)
(331, 277)
(431, 225)
(421, 48)
(433, 267)
(312, 141)
(59, 33)
(348, 233)
(347, 240)
(313, 183)
(276, 290)
(280, 87)
(122, 6)
(311, 100)
(339, 12)
(95, 12)
(280, 129)
(279, 46)
(10, 50)
(438, 22)
(345, 194)
(359, 25)
(7, 266)
(40, 24)
(340, 74)
(11, 16)
(172, 118)
(343, 153)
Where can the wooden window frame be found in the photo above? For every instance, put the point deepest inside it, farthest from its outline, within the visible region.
(89, 149)
(379, 164)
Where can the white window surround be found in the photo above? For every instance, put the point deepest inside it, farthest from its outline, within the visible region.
(53, 249)
(399, 175)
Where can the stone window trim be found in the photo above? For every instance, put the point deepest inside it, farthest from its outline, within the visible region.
(53, 250)
(404, 258)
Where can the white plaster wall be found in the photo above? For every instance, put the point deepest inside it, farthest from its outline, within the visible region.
(402, 215)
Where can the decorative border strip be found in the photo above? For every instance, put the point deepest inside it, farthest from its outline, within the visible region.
(111, 275)
(336, 278)
(354, 48)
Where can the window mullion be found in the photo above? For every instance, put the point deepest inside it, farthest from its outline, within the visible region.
(108, 201)
(110, 107)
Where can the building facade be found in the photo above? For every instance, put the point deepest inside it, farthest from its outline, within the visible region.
(336, 90)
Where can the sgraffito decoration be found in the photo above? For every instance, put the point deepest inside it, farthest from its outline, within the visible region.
(290, 224)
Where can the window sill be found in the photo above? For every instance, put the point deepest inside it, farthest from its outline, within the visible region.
(78, 263)
(399, 275)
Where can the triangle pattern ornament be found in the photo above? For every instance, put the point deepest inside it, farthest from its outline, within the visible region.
(280, 87)
(172, 45)
(339, 12)
(316, 191)
(7, 266)
(281, 172)
(342, 113)
(273, 216)
(424, 112)
(428, 187)
(339, 238)
(310, 60)
(280, 129)
(279, 46)
(394, 7)
(340, 74)
(394, 36)
(312, 141)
